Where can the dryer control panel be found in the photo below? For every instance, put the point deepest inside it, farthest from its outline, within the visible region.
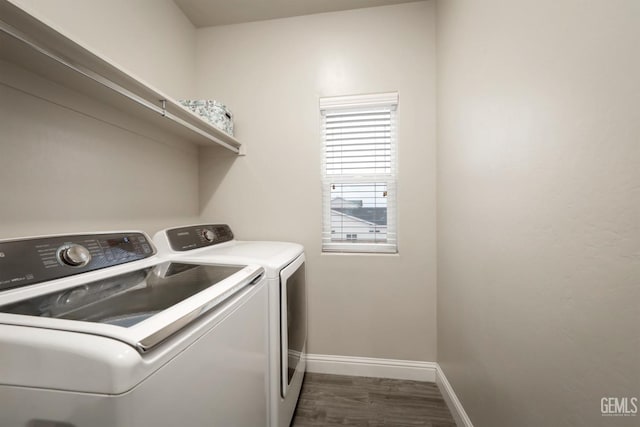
(198, 236)
(28, 261)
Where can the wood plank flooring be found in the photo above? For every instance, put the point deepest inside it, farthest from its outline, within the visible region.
(336, 400)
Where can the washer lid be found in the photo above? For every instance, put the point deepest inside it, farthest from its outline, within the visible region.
(194, 242)
(142, 307)
(274, 256)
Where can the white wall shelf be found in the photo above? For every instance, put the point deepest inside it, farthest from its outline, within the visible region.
(39, 48)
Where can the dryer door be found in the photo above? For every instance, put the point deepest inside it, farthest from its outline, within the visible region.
(293, 321)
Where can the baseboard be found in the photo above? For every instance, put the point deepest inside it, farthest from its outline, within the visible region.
(391, 368)
(370, 367)
(455, 407)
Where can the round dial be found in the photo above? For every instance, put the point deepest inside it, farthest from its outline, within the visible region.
(74, 255)
(208, 235)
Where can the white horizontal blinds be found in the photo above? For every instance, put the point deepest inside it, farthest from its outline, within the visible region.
(359, 173)
(358, 141)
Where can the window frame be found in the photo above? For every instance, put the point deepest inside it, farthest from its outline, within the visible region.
(354, 103)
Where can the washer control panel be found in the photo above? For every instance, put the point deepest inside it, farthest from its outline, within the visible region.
(29, 261)
(198, 236)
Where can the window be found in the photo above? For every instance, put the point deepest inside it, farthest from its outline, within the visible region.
(359, 173)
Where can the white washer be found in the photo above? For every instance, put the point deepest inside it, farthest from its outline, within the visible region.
(97, 330)
(284, 264)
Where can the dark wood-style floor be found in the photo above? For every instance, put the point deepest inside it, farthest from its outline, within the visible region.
(336, 400)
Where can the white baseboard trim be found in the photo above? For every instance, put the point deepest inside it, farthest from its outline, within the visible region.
(370, 367)
(455, 407)
(391, 368)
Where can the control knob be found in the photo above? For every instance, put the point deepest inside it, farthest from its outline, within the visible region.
(208, 235)
(74, 255)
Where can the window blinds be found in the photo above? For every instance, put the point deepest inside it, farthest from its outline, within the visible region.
(359, 173)
(358, 142)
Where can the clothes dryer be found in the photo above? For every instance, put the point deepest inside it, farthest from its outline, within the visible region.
(284, 265)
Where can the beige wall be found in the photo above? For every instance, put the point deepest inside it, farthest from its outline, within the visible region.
(271, 74)
(539, 208)
(69, 163)
(152, 39)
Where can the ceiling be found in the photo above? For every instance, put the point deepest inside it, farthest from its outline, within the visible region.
(206, 13)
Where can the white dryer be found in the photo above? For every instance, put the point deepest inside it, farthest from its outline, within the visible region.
(284, 264)
(98, 331)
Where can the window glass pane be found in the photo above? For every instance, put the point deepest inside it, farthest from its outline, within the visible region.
(359, 212)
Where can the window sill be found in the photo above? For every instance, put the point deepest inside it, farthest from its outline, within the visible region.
(337, 253)
(359, 248)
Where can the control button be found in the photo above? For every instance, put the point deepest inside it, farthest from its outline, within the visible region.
(208, 235)
(74, 255)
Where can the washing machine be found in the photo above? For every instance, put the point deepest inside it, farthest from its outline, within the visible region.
(284, 265)
(96, 330)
